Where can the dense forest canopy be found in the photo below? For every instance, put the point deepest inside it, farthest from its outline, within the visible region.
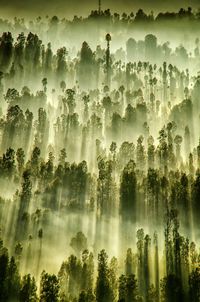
(100, 157)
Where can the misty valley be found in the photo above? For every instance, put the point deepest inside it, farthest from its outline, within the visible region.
(100, 157)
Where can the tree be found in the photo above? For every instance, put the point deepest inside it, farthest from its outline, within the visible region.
(86, 66)
(44, 83)
(49, 288)
(194, 285)
(26, 191)
(63, 85)
(122, 289)
(103, 289)
(171, 290)
(128, 192)
(40, 236)
(131, 289)
(4, 264)
(87, 270)
(8, 164)
(128, 290)
(61, 67)
(20, 155)
(108, 60)
(129, 262)
(87, 296)
(13, 280)
(28, 291)
(131, 48)
(79, 243)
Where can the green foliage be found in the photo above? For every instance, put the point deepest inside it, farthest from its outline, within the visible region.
(28, 291)
(49, 288)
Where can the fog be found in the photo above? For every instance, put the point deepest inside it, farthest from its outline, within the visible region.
(99, 146)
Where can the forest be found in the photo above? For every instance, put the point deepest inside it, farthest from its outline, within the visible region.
(100, 157)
